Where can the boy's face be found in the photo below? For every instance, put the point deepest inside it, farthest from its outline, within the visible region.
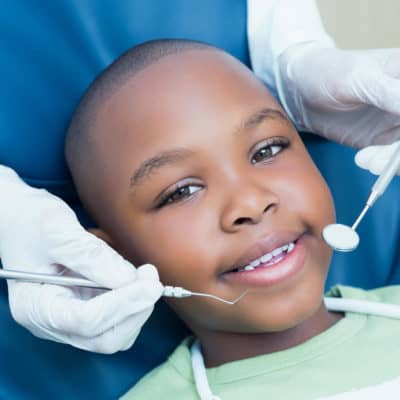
(203, 175)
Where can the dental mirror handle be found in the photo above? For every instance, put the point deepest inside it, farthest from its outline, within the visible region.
(391, 169)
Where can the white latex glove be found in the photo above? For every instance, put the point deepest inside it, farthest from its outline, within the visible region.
(349, 96)
(40, 233)
(374, 158)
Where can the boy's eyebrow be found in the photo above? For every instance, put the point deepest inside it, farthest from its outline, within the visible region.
(172, 156)
(157, 161)
(260, 116)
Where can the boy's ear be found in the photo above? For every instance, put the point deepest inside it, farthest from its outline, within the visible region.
(104, 236)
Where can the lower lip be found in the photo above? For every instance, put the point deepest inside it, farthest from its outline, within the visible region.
(270, 275)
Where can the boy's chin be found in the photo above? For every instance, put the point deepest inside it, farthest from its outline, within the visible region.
(303, 316)
(265, 327)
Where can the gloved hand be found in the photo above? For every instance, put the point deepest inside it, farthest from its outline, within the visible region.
(349, 96)
(40, 233)
(374, 158)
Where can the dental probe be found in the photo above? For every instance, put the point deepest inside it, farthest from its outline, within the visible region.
(345, 238)
(48, 278)
(169, 291)
(179, 292)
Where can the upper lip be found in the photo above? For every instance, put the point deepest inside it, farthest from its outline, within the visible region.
(263, 246)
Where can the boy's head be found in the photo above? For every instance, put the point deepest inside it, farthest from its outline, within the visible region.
(186, 161)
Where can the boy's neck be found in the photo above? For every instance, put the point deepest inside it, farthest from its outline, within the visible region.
(222, 347)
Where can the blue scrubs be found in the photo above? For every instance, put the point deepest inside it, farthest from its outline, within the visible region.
(50, 52)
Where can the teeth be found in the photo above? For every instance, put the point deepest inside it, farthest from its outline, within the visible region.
(255, 263)
(277, 251)
(267, 257)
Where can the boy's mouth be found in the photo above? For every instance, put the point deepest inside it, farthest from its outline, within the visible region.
(269, 261)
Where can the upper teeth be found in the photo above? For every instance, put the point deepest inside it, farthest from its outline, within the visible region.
(267, 257)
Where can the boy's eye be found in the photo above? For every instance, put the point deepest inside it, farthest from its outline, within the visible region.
(268, 150)
(179, 194)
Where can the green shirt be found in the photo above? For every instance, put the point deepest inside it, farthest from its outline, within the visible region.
(358, 352)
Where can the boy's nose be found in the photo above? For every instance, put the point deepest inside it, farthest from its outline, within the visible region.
(247, 205)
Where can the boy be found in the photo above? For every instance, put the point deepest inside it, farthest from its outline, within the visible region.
(187, 162)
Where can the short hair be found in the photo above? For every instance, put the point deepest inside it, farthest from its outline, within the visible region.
(80, 147)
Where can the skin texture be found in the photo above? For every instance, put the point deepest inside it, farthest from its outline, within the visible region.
(231, 196)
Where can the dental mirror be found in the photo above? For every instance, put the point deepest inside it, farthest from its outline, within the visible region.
(341, 237)
(345, 238)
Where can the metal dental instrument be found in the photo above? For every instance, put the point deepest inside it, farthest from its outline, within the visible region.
(169, 291)
(345, 238)
(179, 292)
(48, 278)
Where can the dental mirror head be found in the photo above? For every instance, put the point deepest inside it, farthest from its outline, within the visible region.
(341, 237)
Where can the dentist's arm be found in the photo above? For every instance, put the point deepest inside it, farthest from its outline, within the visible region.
(349, 96)
(40, 233)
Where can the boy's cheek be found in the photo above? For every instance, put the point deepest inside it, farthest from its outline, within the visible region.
(178, 260)
(307, 192)
(181, 248)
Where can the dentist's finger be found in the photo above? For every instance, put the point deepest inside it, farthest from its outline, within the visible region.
(94, 317)
(55, 308)
(118, 338)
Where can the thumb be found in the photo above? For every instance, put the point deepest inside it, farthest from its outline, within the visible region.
(375, 158)
(148, 272)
